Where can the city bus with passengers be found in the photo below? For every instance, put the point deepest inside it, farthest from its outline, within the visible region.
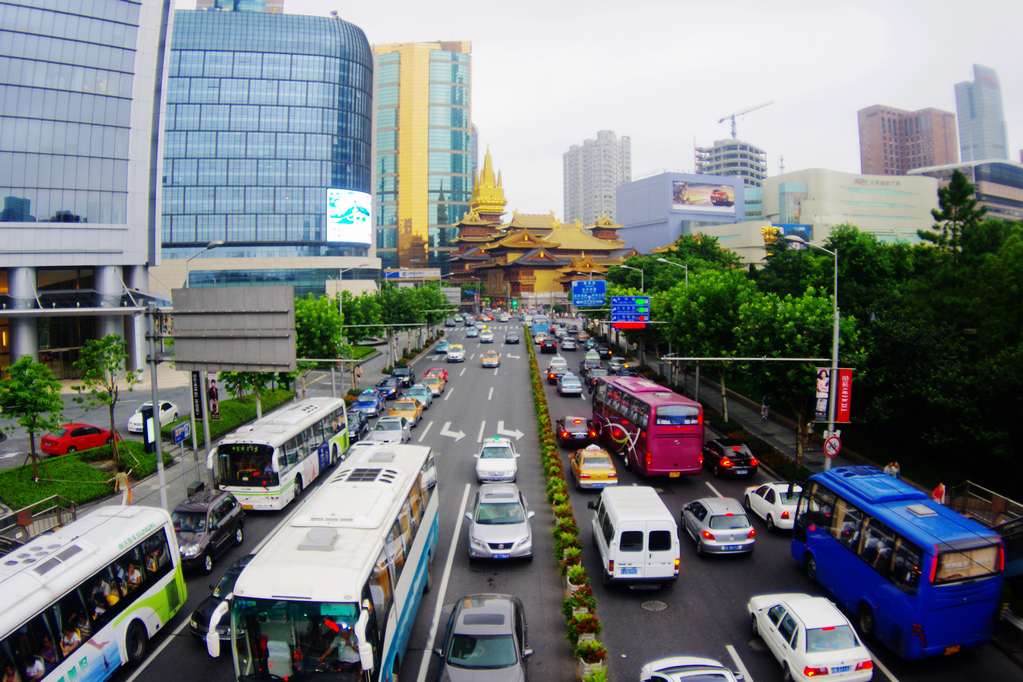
(267, 463)
(335, 591)
(80, 602)
(919, 577)
(657, 431)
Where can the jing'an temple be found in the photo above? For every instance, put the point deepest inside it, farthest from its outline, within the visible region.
(533, 257)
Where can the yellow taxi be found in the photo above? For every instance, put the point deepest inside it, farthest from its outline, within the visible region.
(593, 468)
(491, 359)
(410, 408)
(436, 384)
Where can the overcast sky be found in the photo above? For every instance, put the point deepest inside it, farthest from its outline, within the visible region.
(548, 74)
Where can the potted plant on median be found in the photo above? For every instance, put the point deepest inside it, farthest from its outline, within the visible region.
(575, 577)
(591, 656)
(583, 627)
(579, 602)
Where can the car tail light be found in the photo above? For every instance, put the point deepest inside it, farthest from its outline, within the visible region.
(865, 665)
(725, 462)
(707, 535)
(564, 434)
(753, 462)
(676, 564)
(613, 474)
(785, 515)
(610, 565)
(752, 533)
(814, 672)
(593, 434)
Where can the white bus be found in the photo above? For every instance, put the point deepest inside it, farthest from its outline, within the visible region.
(266, 464)
(335, 591)
(79, 603)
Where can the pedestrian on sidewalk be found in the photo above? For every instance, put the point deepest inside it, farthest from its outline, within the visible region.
(809, 435)
(121, 485)
(358, 375)
(765, 409)
(939, 494)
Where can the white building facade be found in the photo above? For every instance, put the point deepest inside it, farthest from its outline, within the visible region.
(592, 171)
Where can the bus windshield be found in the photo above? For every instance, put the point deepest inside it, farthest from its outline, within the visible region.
(239, 463)
(677, 415)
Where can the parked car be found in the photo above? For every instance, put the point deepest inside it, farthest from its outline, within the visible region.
(358, 425)
(207, 524)
(570, 384)
(456, 353)
(575, 431)
(810, 637)
(74, 438)
(499, 524)
(168, 413)
(497, 461)
(774, 502)
(369, 402)
(405, 373)
(199, 623)
(511, 337)
(390, 387)
(682, 668)
(593, 468)
(719, 525)
(422, 393)
(729, 457)
(485, 640)
(391, 430)
(549, 345)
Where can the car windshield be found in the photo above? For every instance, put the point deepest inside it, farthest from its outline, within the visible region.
(432, 381)
(384, 425)
(400, 371)
(729, 521)
(830, 639)
(599, 462)
(482, 651)
(500, 513)
(189, 522)
(598, 372)
(496, 453)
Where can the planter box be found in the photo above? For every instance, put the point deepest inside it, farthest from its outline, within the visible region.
(584, 669)
(581, 612)
(570, 588)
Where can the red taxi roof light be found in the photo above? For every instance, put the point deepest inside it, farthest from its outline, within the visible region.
(577, 421)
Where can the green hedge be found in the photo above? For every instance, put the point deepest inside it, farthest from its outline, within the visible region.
(233, 413)
(77, 477)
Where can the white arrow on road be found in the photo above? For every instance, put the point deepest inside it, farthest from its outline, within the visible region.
(500, 429)
(514, 357)
(457, 435)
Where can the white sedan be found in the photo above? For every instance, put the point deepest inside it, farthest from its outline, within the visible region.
(810, 638)
(775, 503)
(168, 413)
(391, 430)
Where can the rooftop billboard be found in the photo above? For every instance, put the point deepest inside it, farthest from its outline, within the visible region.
(703, 196)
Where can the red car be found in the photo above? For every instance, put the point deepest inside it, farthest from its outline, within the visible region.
(719, 197)
(74, 437)
(437, 372)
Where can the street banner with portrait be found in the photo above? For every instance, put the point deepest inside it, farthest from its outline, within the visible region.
(823, 391)
(843, 396)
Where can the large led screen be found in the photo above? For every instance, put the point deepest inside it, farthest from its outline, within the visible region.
(348, 216)
(702, 196)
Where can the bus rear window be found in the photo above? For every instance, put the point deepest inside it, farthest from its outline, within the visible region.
(966, 564)
(677, 415)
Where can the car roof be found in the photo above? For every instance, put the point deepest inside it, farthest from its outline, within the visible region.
(499, 492)
(723, 505)
(200, 502)
(815, 612)
(390, 418)
(485, 614)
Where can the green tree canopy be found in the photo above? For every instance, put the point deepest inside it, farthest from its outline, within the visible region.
(31, 395)
(102, 367)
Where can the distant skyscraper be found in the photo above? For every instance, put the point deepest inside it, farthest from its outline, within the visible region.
(424, 150)
(894, 141)
(268, 138)
(981, 119)
(592, 170)
(733, 158)
(267, 6)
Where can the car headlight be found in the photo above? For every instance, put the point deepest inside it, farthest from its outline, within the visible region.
(476, 542)
(523, 541)
(191, 550)
(194, 623)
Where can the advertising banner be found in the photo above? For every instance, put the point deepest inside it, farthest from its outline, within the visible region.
(348, 216)
(843, 396)
(196, 395)
(702, 196)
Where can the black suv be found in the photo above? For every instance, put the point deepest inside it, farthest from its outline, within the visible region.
(406, 374)
(207, 524)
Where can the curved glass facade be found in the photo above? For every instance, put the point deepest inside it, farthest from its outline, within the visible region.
(265, 112)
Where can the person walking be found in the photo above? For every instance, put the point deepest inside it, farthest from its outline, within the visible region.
(888, 469)
(809, 435)
(765, 409)
(358, 375)
(121, 485)
(939, 493)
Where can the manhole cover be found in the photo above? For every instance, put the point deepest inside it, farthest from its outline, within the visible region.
(654, 605)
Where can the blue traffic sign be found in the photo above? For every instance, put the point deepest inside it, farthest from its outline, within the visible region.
(630, 308)
(181, 432)
(588, 292)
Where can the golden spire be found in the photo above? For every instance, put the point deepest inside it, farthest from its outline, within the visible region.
(488, 195)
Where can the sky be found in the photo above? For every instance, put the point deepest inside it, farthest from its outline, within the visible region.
(547, 74)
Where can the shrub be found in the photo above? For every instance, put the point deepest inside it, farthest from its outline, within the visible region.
(598, 675)
(580, 599)
(565, 524)
(590, 652)
(577, 575)
(570, 556)
(583, 625)
(563, 509)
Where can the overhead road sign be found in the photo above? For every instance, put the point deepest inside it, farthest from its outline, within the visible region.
(588, 292)
(406, 273)
(630, 309)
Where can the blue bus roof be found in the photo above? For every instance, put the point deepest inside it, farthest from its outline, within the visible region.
(908, 511)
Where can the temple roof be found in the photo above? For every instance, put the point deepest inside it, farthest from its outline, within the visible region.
(538, 256)
(519, 239)
(575, 237)
(533, 220)
(488, 194)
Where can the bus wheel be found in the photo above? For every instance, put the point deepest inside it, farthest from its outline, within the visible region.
(136, 642)
(865, 619)
(429, 575)
(811, 567)
(395, 671)
(298, 486)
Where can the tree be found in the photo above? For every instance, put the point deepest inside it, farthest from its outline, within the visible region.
(240, 383)
(359, 311)
(31, 394)
(102, 367)
(317, 332)
(957, 214)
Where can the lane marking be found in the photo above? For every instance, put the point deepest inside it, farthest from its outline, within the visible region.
(483, 426)
(885, 670)
(447, 394)
(495, 374)
(738, 663)
(462, 372)
(714, 489)
(490, 396)
(425, 431)
(428, 651)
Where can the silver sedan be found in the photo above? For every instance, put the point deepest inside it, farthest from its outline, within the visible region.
(719, 525)
(499, 526)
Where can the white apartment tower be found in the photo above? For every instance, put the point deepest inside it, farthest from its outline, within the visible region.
(592, 171)
(733, 158)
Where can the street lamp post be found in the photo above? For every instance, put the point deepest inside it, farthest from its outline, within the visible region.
(677, 265)
(835, 327)
(211, 245)
(642, 286)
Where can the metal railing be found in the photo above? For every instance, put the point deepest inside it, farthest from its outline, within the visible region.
(21, 526)
(983, 505)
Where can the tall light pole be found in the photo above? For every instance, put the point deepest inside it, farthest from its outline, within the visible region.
(677, 265)
(642, 286)
(211, 245)
(833, 383)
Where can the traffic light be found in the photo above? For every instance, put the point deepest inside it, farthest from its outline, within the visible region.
(515, 304)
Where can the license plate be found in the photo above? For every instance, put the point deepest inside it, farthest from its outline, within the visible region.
(740, 471)
(732, 548)
(501, 556)
(675, 474)
(841, 669)
(949, 650)
(598, 485)
(630, 571)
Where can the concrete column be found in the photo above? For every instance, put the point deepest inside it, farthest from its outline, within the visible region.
(21, 283)
(109, 289)
(137, 279)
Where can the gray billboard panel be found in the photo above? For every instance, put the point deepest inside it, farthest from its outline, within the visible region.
(234, 329)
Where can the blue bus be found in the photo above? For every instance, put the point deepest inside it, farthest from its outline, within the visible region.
(540, 323)
(921, 578)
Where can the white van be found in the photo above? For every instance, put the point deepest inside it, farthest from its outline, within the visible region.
(636, 535)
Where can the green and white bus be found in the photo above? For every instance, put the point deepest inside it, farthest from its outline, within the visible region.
(266, 464)
(79, 603)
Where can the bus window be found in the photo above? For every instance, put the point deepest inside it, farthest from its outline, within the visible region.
(380, 586)
(395, 549)
(966, 563)
(878, 541)
(823, 506)
(677, 415)
(429, 476)
(847, 524)
(416, 505)
(601, 392)
(906, 565)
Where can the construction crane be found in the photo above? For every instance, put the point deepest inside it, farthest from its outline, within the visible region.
(744, 111)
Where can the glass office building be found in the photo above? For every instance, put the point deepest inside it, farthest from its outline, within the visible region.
(981, 118)
(268, 116)
(80, 92)
(424, 150)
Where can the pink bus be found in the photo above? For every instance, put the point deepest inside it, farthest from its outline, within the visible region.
(657, 431)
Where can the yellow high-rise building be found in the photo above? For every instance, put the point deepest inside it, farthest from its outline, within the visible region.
(423, 172)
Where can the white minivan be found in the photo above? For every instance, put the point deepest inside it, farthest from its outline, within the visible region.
(636, 535)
